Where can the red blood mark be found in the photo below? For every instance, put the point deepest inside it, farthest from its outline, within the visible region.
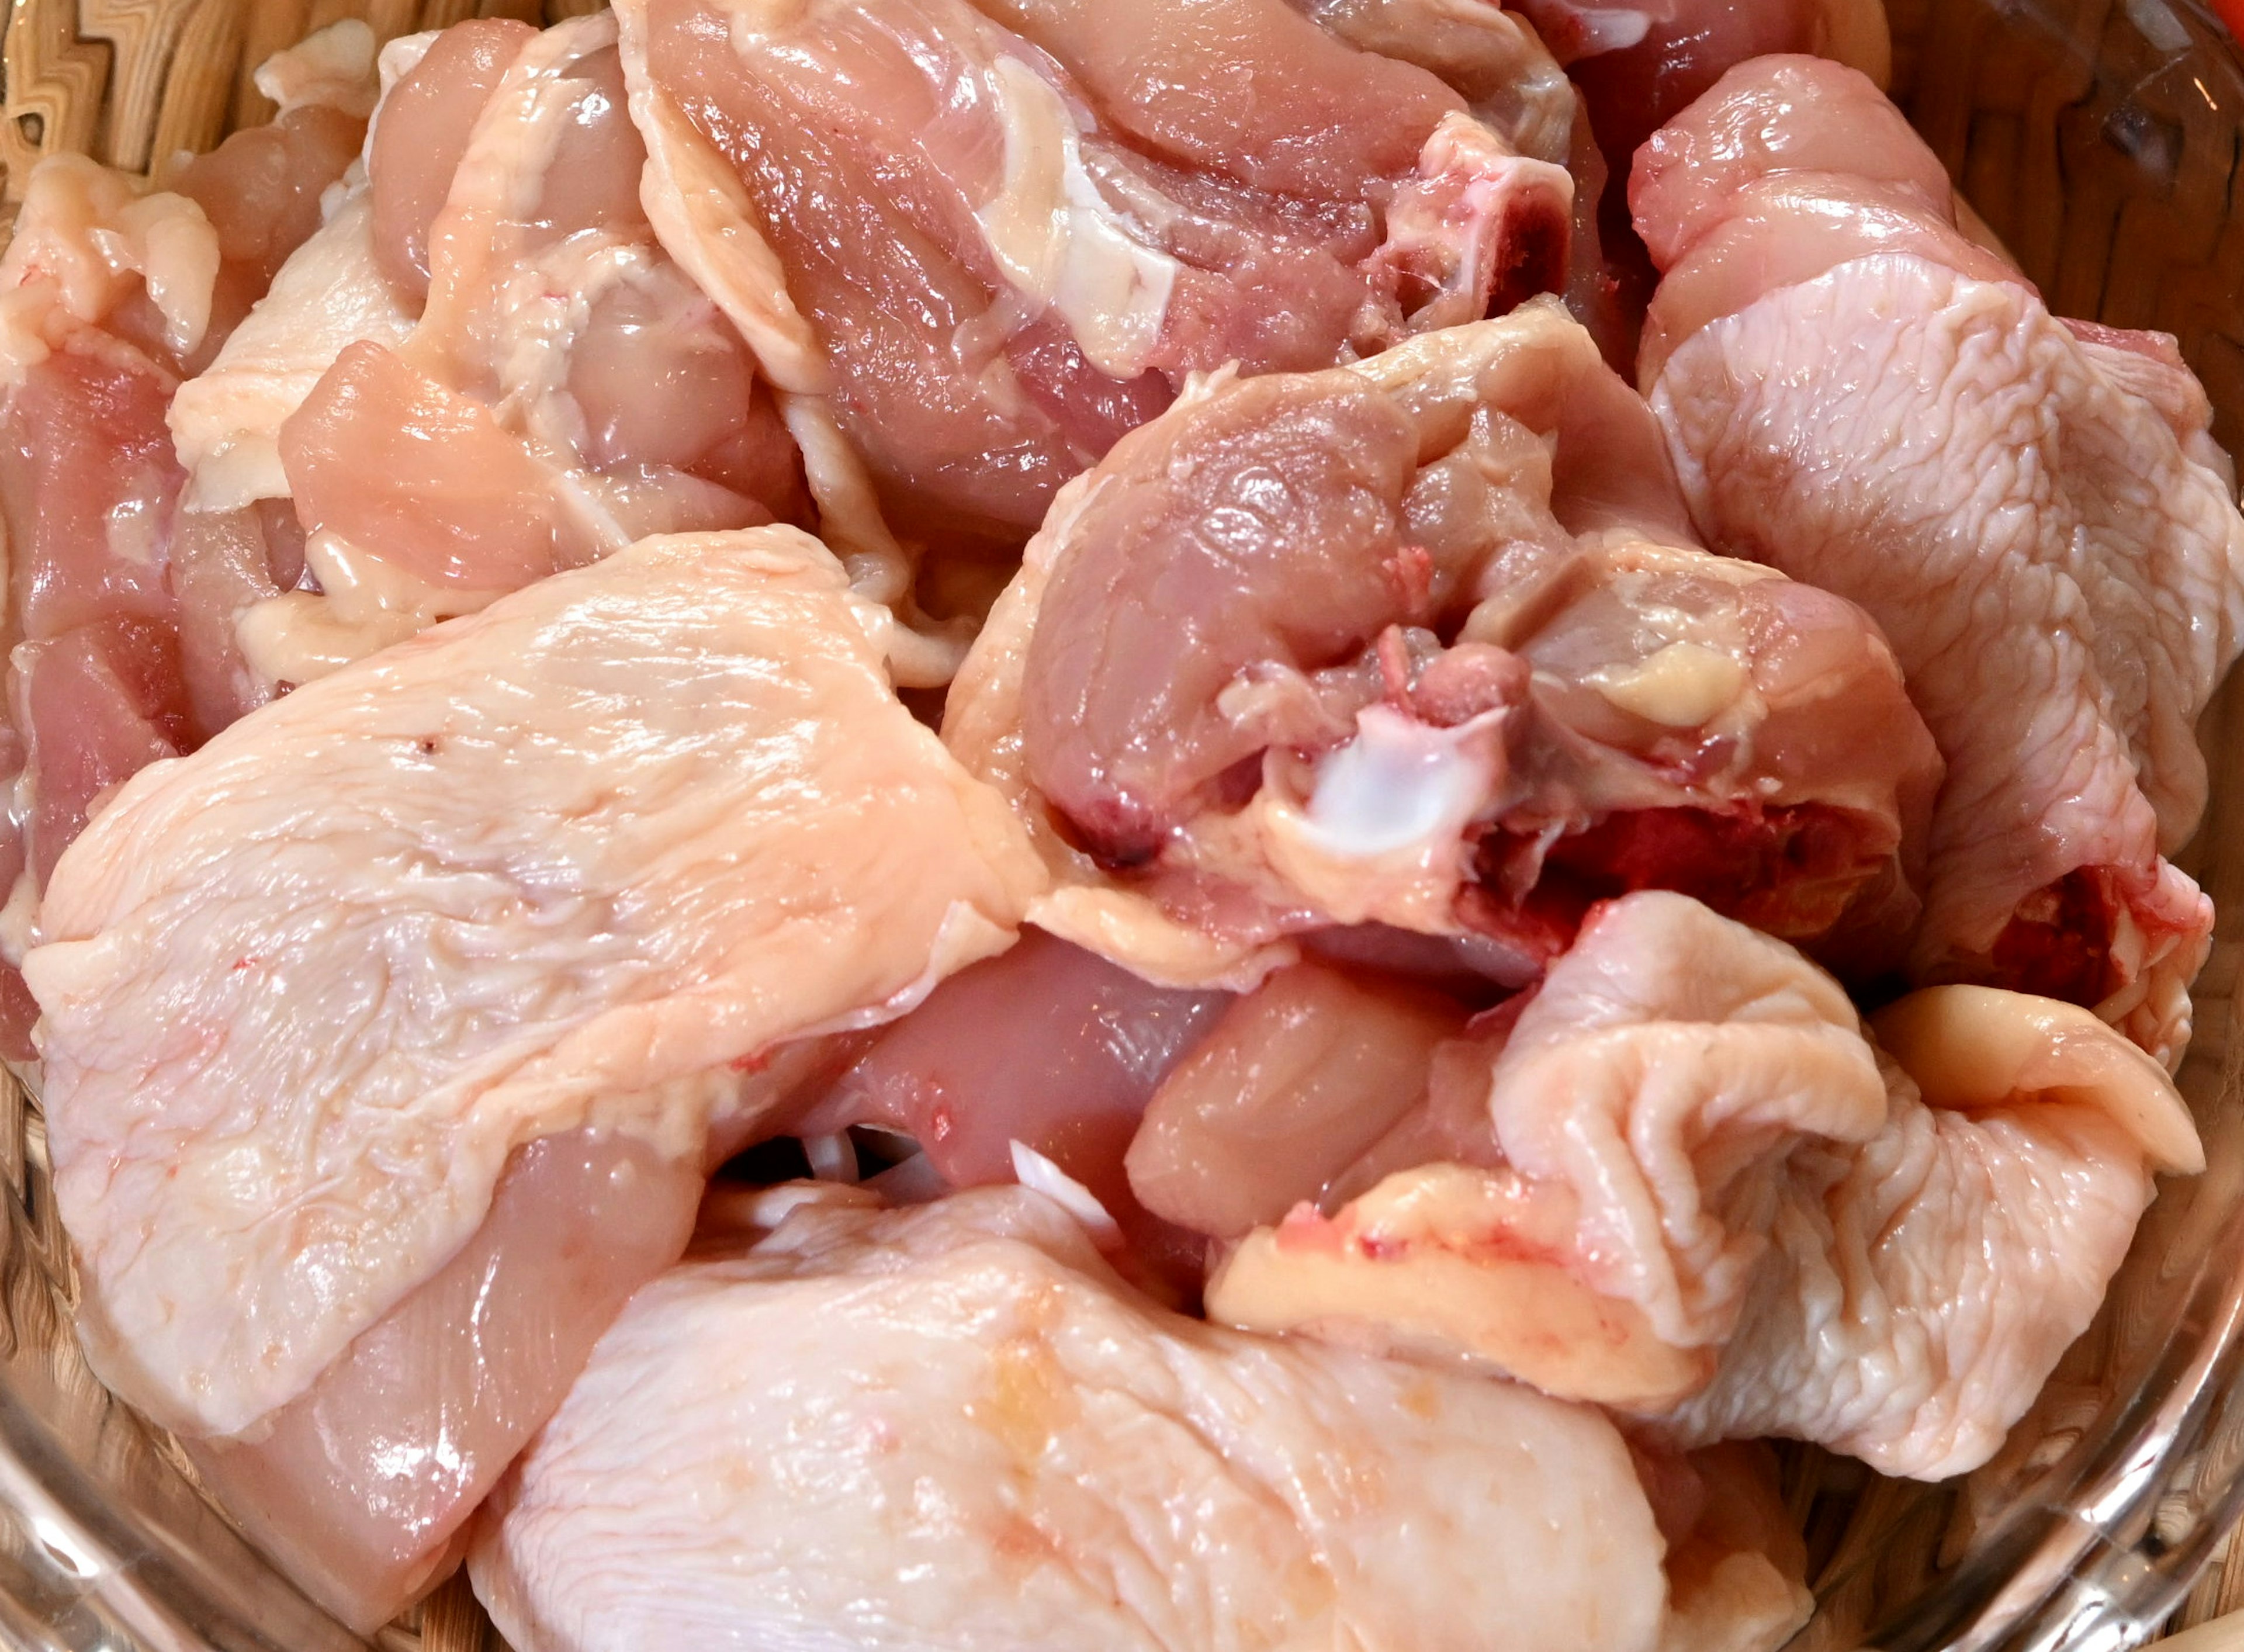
(1411, 571)
(2059, 944)
(1789, 870)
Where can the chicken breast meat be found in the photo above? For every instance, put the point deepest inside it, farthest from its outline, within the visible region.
(572, 871)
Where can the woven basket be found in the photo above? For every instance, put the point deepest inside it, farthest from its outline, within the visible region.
(2101, 140)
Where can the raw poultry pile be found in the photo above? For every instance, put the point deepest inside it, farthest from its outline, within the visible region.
(898, 823)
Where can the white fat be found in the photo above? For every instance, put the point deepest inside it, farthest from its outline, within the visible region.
(1040, 1174)
(226, 423)
(403, 56)
(85, 232)
(1684, 685)
(1400, 782)
(333, 66)
(1611, 28)
(1059, 242)
(364, 604)
(132, 531)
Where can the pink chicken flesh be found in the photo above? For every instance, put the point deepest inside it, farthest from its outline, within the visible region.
(117, 617)
(951, 1427)
(1424, 642)
(579, 865)
(1680, 1182)
(978, 244)
(2033, 510)
(510, 375)
(1047, 1045)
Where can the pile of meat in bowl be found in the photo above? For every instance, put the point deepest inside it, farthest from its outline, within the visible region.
(888, 823)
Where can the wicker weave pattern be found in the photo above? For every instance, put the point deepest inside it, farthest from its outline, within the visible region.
(2112, 174)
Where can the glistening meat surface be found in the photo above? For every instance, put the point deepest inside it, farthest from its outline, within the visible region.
(2032, 511)
(565, 390)
(1425, 642)
(978, 244)
(118, 621)
(581, 861)
(1683, 1183)
(952, 1427)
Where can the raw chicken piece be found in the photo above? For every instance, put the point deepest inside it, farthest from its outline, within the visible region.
(263, 188)
(1736, 1568)
(1293, 1085)
(1047, 1045)
(226, 420)
(427, 119)
(1789, 114)
(108, 291)
(950, 1428)
(1701, 1195)
(577, 864)
(1635, 1121)
(1490, 57)
(1639, 64)
(1920, 1287)
(2033, 511)
(359, 1486)
(974, 245)
(1421, 642)
(564, 390)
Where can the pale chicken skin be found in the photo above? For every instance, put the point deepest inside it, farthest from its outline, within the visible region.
(581, 863)
(1683, 1183)
(1920, 1287)
(975, 244)
(951, 1427)
(1425, 643)
(2033, 511)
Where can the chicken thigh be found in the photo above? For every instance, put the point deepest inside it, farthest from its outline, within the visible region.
(2031, 508)
(574, 870)
(1424, 642)
(975, 243)
(951, 1427)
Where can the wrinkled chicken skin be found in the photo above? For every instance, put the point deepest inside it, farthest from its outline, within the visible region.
(1633, 1122)
(2033, 511)
(1421, 642)
(1700, 1194)
(950, 1427)
(975, 247)
(578, 862)
(2022, 1169)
